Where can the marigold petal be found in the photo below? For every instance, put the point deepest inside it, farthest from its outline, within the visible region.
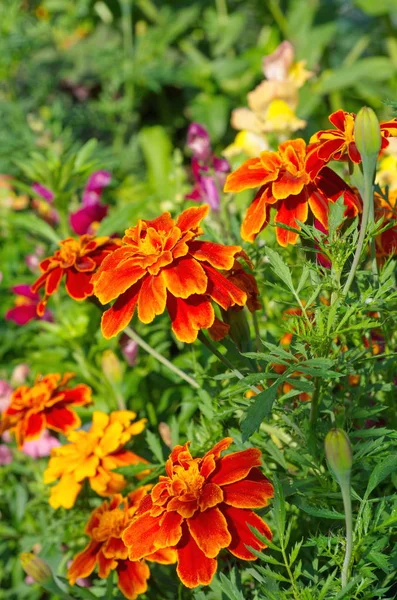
(132, 578)
(53, 280)
(250, 492)
(62, 419)
(194, 568)
(329, 148)
(84, 562)
(189, 316)
(33, 425)
(192, 217)
(250, 174)
(291, 210)
(185, 509)
(218, 330)
(287, 185)
(165, 556)
(258, 214)
(210, 532)
(120, 314)
(223, 291)
(236, 466)
(319, 207)
(338, 119)
(239, 522)
(170, 530)
(211, 495)
(185, 277)
(65, 492)
(219, 447)
(105, 565)
(110, 283)
(152, 298)
(217, 255)
(78, 285)
(115, 548)
(353, 152)
(141, 535)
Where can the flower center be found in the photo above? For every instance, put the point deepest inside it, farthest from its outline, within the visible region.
(111, 524)
(187, 481)
(69, 252)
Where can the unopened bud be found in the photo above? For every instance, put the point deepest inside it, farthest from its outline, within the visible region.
(339, 454)
(111, 366)
(36, 567)
(367, 134)
(239, 329)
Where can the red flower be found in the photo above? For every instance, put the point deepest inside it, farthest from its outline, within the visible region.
(161, 265)
(201, 506)
(47, 404)
(107, 550)
(386, 242)
(78, 259)
(339, 143)
(25, 306)
(286, 185)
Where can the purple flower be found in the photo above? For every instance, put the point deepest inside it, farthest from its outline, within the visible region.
(44, 192)
(92, 211)
(129, 350)
(25, 305)
(209, 181)
(5, 455)
(199, 142)
(42, 446)
(5, 395)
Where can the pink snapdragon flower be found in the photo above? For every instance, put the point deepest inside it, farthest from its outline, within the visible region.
(209, 171)
(92, 210)
(129, 349)
(44, 205)
(42, 446)
(25, 304)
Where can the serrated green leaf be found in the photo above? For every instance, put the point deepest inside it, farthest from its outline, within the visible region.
(153, 441)
(323, 513)
(259, 410)
(230, 589)
(382, 470)
(280, 268)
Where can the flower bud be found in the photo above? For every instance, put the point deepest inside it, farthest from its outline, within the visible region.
(239, 329)
(367, 134)
(111, 366)
(36, 567)
(339, 454)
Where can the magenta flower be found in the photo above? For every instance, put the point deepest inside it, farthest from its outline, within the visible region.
(42, 446)
(209, 172)
(129, 349)
(92, 210)
(44, 192)
(5, 455)
(25, 305)
(43, 205)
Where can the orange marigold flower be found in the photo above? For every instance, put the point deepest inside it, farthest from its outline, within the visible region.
(107, 550)
(93, 455)
(161, 265)
(201, 506)
(47, 404)
(78, 259)
(386, 242)
(339, 143)
(286, 185)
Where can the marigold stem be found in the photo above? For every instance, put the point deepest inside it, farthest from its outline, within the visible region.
(347, 504)
(134, 336)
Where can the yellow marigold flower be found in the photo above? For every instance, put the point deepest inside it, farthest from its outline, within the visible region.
(93, 455)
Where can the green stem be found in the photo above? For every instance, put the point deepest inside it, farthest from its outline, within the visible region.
(128, 42)
(134, 336)
(368, 200)
(221, 9)
(279, 17)
(347, 504)
(290, 575)
(208, 344)
(315, 402)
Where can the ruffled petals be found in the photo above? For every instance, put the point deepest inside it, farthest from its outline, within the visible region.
(132, 578)
(194, 567)
(189, 316)
(210, 532)
(239, 522)
(236, 466)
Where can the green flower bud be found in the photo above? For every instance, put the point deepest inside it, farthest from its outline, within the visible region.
(111, 366)
(367, 134)
(339, 454)
(239, 329)
(36, 567)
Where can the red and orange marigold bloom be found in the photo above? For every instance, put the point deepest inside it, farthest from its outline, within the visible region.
(386, 242)
(107, 551)
(162, 265)
(77, 259)
(202, 506)
(339, 143)
(286, 185)
(93, 455)
(47, 404)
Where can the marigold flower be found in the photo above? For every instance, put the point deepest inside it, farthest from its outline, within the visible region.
(161, 265)
(339, 143)
(286, 185)
(201, 506)
(78, 259)
(107, 550)
(47, 404)
(386, 242)
(93, 455)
